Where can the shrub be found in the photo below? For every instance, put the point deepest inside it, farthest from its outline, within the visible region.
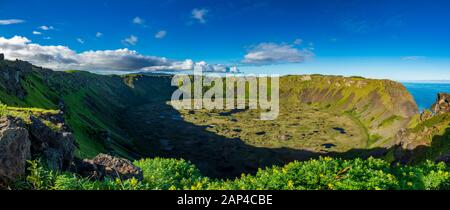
(39, 177)
(425, 176)
(166, 174)
(321, 174)
(3, 109)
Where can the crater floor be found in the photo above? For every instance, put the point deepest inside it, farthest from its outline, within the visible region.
(227, 143)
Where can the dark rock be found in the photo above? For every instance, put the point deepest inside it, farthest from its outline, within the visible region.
(56, 147)
(23, 66)
(442, 104)
(425, 115)
(103, 166)
(444, 158)
(62, 105)
(14, 149)
(10, 79)
(87, 169)
(2, 56)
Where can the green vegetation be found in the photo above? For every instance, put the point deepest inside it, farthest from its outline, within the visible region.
(433, 132)
(389, 121)
(38, 94)
(437, 120)
(321, 174)
(91, 102)
(40, 178)
(297, 127)
(129, 116)
(26, 113)
(160, 173)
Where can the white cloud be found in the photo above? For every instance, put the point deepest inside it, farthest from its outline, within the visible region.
(56, 57)
(63, 58)
(99, 35)
(138, 21)
(216, 67)
(413, 58)
(298, 41)
(161, 34)
(174, 65)
(199, 15)
(273, 53)
(132, 40)
(11, 21)
(189, 64)
(46, 28)
(79, 40)
(37, 32)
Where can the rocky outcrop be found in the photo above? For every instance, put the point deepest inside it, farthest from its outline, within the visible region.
(21, 141)
(56, 147)
(14, 149)
(424, 133)
(411, 140)
(442, 104)
(425, 115)
(103, 166)
(11, 74)
(444, 158)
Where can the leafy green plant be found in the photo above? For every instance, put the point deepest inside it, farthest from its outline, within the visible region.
(39, 177)
(321, 174)
(3, 109)
(162, 173)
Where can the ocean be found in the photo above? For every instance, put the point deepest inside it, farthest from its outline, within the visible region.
(425, 94)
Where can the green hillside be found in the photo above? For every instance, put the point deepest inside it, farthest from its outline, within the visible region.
(130, 116)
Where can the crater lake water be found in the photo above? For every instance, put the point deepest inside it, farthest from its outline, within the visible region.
(425, 94)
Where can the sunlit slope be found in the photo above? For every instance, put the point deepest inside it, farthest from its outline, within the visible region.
(382, 106)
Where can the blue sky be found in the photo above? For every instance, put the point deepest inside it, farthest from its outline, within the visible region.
(395, 39)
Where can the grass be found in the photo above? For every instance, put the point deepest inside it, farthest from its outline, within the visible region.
(38, 94)
(26, 113)
(389, 121)
(320, 174)
(77, 113)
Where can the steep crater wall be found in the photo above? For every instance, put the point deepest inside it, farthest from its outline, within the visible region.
(382, 106)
